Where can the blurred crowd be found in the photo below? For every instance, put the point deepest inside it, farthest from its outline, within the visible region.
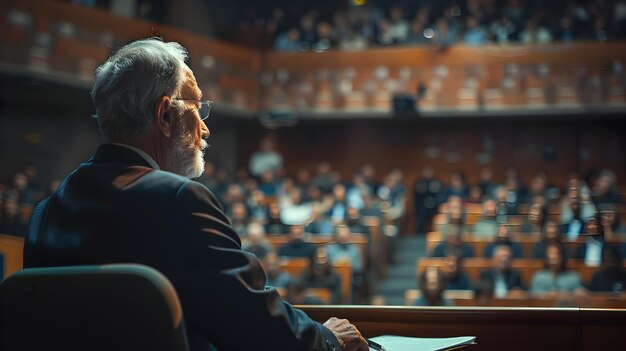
(580, 220)
(442, 23)
(319, 206)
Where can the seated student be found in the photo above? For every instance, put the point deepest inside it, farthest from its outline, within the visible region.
(591, 251)
(455, 215)
(612, 276)
(504, 238)
(550, 236)
(611, 222)
(11, 221)
(574, 211)
(256, 241)
(555, 277)
(454, 241)
(504, 278)
(320, 274)
(296, 247)
(456, 278)
(274, 225)
(275, 277)
(432, 284)
(345, 250)
(487, 226)
(536, 219)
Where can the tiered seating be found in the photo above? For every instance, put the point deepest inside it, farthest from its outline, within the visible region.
(359, 239)
(71, 41)
(75, 40)
(526, 266)
(526, 241)
(295, 266)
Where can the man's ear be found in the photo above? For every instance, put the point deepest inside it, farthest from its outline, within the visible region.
(163, 115)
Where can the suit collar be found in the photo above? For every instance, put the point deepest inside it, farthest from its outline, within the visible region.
(108, 153)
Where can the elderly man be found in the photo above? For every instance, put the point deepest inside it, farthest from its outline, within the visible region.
(133, 201)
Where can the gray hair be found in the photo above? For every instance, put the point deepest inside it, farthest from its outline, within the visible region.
(130, 82)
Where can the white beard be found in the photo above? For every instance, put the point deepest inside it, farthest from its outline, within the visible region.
(187, 158)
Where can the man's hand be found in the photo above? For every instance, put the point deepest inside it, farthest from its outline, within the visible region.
(349, 337)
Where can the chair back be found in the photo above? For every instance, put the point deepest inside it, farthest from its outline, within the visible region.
(108, 307)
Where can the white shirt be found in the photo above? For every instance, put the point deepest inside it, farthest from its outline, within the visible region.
(593, 256)
(143, 154)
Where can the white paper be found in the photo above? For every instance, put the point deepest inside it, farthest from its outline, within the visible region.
(404, 343)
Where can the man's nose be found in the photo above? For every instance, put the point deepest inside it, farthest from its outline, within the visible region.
(205, 130)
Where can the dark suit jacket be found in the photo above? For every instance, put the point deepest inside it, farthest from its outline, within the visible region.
(512, 278)
(115, 208)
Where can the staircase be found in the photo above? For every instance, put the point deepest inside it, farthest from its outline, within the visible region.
(401, 275)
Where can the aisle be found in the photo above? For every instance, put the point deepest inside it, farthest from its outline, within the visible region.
(401, 275)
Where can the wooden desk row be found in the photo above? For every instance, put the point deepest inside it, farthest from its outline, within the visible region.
(295, 266)
(526, 241)
(360, 240)
(465, 298)
(471, 208)
(526, 266)
(511, 329)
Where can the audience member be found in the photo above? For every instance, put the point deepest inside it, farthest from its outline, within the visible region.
(610, 222)
(555, 278)
(574, 212)
(293, 209)
(550, 236)
(265, 159)
(475, 33)
(289, 42)
(453, 241)
(443, 35)
(432, 284)
(426, 196)
(605, 191)
(487, 226)
(591, 251)
(11, 221)
(354, 222)
(535, 34)
(504, 278)
(486, 184)
(239, 219)
(275, 277)
(399, 27)
(456, 277)
(324, 40)
(612, 276)
(344, 249)
(274, 224)
(296, 247)
(535, 221)
(256, 241)
(504, 238)
(456, 188)
(416, 33)
(320, 274)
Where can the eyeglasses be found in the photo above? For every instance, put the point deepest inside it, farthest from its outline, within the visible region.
(205, 107)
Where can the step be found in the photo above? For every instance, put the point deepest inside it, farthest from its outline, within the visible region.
(395, 286)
